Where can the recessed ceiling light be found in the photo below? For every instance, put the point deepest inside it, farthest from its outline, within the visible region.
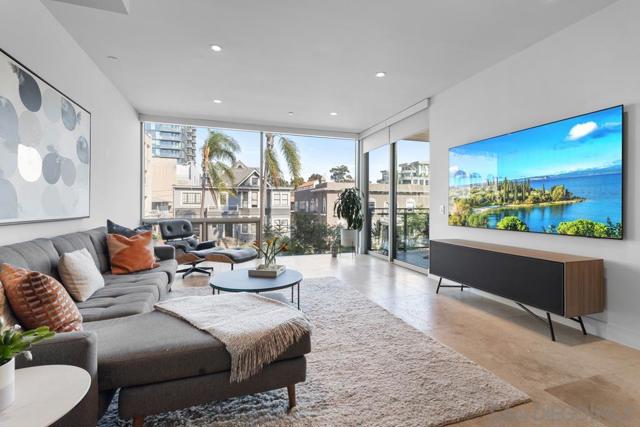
(216, 48)
(381, 74)
(217, 101)
(290, 113)
(112, 57)
(333, 113)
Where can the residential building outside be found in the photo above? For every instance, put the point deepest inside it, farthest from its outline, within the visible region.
(243, 202)
(172, 142)
(173, 188)
(318, 198)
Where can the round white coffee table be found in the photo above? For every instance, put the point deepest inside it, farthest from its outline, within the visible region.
(44, 394)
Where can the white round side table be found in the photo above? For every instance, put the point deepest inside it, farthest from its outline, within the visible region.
(44, 394)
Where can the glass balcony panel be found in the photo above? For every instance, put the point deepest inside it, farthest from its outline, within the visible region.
(411, 243)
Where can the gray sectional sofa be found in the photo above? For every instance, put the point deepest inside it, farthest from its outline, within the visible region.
(157, 362)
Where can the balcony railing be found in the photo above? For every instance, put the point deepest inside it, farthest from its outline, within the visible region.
(226, 231)
(378, 228)
(411, 233)
(304, 233)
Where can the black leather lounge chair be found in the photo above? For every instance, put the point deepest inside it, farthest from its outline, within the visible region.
(179, 234)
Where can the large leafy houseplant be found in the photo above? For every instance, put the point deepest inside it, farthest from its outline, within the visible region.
(348, 206)
(13, 342)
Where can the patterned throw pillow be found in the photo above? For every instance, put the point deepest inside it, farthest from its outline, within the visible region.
(39, 300)
(79, 274)
(6, 315)
(131, 254)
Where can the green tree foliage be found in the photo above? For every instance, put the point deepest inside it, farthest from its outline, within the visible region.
(477, 220)
(417, 222)
(309, 234)
(495, 193)
(218, 156)
(559, 192)
(614, 230)
(297, 182)
(340, 174)
(316, 177)
(512, 223)
(588, 228)
(288, 150)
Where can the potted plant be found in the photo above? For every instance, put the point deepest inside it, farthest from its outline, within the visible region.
(348, 206)
(269, 249)
(13, 342)
(334, 240)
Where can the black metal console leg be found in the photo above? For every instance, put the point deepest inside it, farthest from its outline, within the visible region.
(440, 285)
(553, 335)
(547, 322)
(579, 320)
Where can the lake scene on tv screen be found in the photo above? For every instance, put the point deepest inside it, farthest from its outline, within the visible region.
(560, 178)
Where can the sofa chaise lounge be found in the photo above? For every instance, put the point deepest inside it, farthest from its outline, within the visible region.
(157, 362)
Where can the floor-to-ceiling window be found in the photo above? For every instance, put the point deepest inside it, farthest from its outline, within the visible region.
(228, 201)
(325, 166)
(411, 243)
(378, 200)
(222, 200)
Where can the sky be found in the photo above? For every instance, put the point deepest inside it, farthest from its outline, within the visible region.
(590, 141)
(407, 152)
(317, 155)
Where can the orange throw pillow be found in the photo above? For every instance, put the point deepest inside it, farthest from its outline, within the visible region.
(131, 254)
(39, 300)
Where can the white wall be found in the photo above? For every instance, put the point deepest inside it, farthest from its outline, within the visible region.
(34, 37)
(590, 65)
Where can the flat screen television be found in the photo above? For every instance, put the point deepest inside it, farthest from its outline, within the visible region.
(563, 177)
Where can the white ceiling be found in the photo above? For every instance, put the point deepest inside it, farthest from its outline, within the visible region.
(311, 57)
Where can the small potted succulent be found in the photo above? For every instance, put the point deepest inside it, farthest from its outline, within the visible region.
(348, 206)
(13, 342)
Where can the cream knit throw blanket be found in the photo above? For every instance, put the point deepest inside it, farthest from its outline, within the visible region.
(255, 330)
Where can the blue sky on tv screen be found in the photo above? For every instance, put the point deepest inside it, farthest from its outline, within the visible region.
(585, 143)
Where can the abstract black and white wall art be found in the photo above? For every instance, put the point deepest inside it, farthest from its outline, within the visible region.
(45, 149)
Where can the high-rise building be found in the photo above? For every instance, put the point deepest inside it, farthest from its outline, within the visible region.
(189, 145)
(172, 142)
(408, 173)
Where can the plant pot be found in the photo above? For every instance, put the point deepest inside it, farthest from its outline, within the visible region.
(348, 237)
(7, 384)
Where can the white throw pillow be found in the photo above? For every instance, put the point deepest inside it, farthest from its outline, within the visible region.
(79, 274)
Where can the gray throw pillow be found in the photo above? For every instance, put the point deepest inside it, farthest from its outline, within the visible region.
(113, 228)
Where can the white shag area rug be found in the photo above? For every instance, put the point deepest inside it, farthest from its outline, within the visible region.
(366, 368)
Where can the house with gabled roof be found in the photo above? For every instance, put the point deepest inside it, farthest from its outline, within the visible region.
(243, 202)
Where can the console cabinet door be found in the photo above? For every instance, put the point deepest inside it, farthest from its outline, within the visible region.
(531, 281)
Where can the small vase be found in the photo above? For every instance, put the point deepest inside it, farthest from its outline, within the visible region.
(7, 384)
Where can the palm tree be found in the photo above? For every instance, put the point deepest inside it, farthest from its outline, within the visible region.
(218, 157)
(272, 169)
(289, 150)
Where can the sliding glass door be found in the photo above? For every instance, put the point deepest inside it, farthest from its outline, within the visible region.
(411, 228)
(378, 200)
